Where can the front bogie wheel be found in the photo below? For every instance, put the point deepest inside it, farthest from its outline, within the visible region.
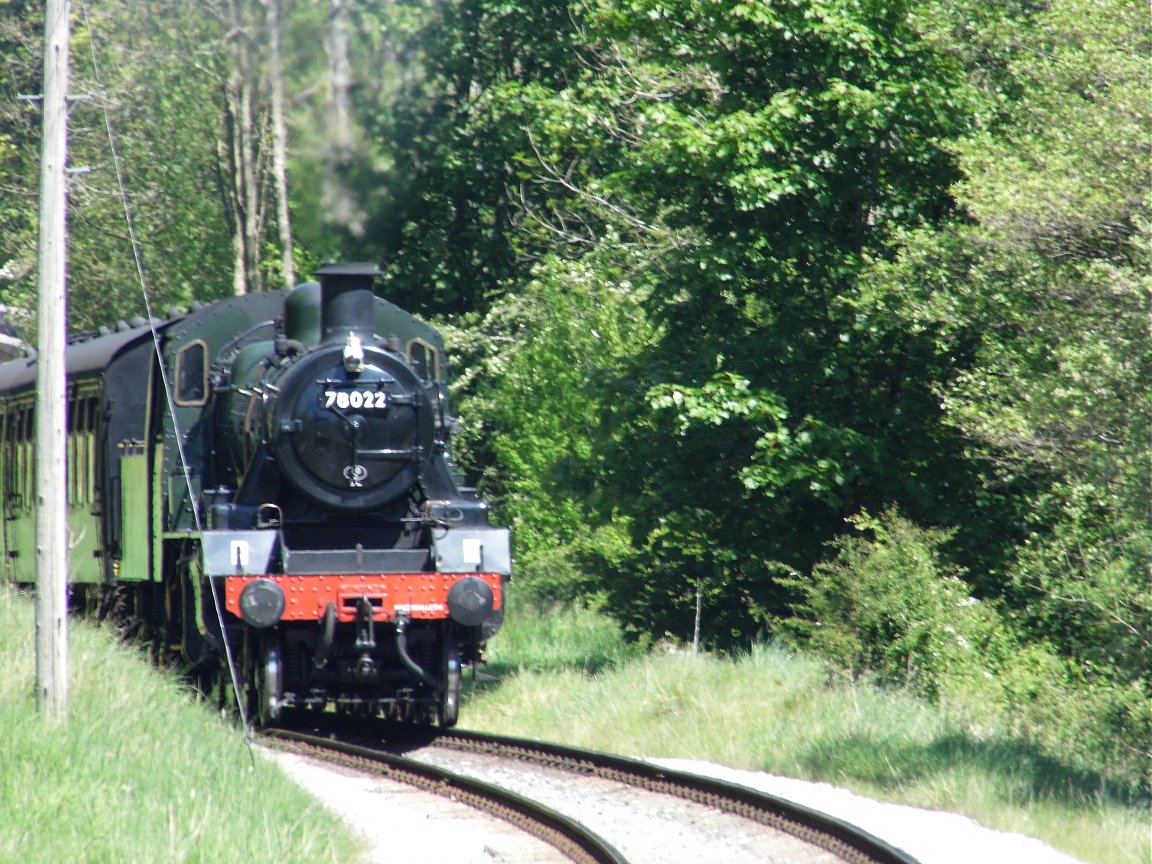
(448, 710)
(266, 682)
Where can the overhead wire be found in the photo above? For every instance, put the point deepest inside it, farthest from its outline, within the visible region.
(166, 382)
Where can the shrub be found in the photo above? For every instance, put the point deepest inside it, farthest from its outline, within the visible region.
(888, 604)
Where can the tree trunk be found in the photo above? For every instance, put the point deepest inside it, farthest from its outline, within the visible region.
(243, 167)
(339, 198)
(699, 613)
(339, 78)
(279, 143)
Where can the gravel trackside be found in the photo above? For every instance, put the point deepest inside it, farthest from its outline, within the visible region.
(399, 825)
(929, 836)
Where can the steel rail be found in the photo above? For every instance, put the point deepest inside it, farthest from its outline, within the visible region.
(569, 837)
(850, 842)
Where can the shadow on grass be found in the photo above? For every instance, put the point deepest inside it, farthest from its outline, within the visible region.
(591, 664)
(491, 676)
(1024, 772)
(478, 682)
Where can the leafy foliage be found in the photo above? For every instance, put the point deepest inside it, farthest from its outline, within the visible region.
(150, 126)
(874, 279)
(20, 52)
(536, 390)
(449, 230)
(890, 605)
(783, 145)
(1046, 284)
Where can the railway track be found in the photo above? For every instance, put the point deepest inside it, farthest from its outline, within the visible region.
(847, 842)
(659, 805)
(568, 837)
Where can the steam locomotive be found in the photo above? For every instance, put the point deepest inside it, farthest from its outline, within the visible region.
(263, 486)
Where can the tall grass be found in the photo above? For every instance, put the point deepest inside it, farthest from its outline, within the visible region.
(139, 772)
(770, 710)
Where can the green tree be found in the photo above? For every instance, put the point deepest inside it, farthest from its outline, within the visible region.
(742, 164)
(21, 29)
(1046, 282)
(1051, 276)
(785, 145)
(449, 230)
(536, 393)
(149, 139)
(166, 130)
(150, 77)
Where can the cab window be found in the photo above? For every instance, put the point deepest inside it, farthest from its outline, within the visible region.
(192, 374)
(424, 359)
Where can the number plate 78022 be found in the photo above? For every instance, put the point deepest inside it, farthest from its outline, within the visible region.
(343, 400)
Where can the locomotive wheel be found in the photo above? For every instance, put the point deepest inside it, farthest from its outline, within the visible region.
(267, 683)
(448, 711)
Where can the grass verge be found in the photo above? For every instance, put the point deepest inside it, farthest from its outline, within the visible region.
(568, 676)
(139, 772)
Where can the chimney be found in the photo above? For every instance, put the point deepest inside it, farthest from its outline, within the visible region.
(346, 301)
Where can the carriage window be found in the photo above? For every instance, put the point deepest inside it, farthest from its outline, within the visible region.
(81, 417)
(192, 374)
(425, 360)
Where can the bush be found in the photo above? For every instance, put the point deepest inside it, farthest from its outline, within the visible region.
(888, 605)
(1098, 729)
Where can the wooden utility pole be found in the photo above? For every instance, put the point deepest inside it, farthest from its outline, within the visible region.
(51, 407)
